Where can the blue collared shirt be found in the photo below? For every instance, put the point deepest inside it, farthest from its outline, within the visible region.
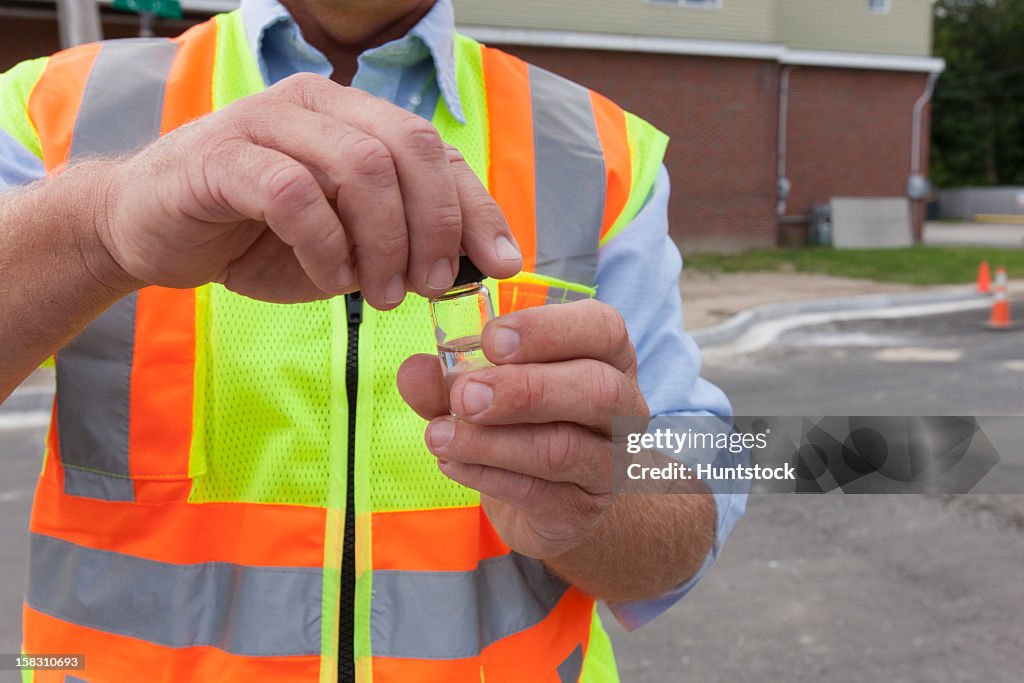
(637, 272)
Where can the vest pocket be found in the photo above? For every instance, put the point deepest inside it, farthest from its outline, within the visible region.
(125, 388)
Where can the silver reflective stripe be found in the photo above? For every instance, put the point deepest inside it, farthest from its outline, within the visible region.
(569, 670)
(105, 486)
(247, 611)
(123, 101)
(121, 109)
(73, 679)
(570, 177)
(450, 615)
(93, 381)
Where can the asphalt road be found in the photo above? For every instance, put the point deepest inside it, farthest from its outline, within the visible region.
(811, 588)
(899, 588)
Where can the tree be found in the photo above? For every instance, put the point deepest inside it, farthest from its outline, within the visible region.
(978, 109)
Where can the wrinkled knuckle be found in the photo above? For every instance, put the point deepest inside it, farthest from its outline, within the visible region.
(259, 123)
(214, 152)
(561, 448)
(391, 242)
(524, 489)
(535, 391)
(608, 389)
(587, 506)
(298, 86)
(372, 160)
(291, 187)
(487, 217)
(445, 222)
(419, 134)
(455, 156)
(613, 325)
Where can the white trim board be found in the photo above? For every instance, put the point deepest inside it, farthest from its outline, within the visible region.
(704, 48)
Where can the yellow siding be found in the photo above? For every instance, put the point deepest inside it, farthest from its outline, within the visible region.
(837, 25)
(847, 26)
(735, 20)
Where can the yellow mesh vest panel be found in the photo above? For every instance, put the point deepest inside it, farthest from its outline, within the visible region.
(16, 85)
(267, 403)
(403, 473)
(265, 419)
(474, 138)
(599, 666)
(235, 72)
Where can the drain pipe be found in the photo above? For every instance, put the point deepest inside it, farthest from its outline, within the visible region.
(918, 187)
(782, 182)
(915, 146)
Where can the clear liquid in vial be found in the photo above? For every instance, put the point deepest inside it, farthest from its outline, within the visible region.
(461, 355)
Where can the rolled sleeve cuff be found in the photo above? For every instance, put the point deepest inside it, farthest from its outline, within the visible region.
(18, 166)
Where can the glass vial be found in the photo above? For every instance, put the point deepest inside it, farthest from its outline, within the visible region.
(459, 318)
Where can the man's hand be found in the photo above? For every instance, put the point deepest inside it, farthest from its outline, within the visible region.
(301, 192)
(533, 434)
(304, 191)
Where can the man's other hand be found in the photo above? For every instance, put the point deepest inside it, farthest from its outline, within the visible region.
(306, 190)
(533, 434)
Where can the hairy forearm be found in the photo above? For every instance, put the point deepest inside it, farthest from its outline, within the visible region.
(644, 545)
(55, 276)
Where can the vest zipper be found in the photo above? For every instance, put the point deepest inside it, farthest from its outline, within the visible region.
(346, 625)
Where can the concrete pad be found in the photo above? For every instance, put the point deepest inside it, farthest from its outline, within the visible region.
(870, 222)
(966, 234)
(710, 297)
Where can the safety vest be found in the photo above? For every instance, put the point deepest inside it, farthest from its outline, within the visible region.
(197, 490)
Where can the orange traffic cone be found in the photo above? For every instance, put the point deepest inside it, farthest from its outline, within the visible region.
(984, 278)
(1000, 318)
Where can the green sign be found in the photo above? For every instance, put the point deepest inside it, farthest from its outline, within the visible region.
(168, 9)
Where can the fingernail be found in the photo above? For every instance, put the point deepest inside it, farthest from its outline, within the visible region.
(345, 276)
(441, 433)
(506, 249)
(395, 291)
(476, 397)
(506, 341)
(440, 275)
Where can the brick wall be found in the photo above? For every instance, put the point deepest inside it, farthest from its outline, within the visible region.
(25, 37)
(849, 134)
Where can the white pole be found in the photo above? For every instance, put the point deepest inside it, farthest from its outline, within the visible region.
(79, 22)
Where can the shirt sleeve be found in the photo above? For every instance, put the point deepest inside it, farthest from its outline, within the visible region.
(18, 166)
(20, 155)
(638, 273)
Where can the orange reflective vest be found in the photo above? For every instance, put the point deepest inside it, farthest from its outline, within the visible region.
(209, 454)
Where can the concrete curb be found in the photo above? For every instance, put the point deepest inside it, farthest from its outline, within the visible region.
(735, 326)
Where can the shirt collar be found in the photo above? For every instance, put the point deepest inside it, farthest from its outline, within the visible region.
(273, 36)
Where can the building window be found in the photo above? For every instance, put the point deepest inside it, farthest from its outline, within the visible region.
(878, 6)
(706, 4)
